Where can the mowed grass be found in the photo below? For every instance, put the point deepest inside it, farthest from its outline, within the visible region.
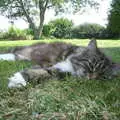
(67, 99)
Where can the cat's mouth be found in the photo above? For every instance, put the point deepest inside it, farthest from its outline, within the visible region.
(92, 76)
(98, 76)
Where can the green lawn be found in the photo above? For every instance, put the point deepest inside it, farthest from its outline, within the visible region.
(69, 99)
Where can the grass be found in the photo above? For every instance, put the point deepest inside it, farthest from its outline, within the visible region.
(69, 99)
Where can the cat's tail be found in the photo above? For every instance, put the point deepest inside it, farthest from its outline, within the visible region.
(8, 57)
(10, 54)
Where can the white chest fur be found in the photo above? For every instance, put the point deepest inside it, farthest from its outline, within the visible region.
(64, 66)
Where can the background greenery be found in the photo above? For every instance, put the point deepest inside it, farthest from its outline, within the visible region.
(33, 11)
(67, 99)
(60, 28)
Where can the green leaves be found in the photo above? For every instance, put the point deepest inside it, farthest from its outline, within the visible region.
(14, 8)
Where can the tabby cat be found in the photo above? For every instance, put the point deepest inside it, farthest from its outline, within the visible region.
(88, 62)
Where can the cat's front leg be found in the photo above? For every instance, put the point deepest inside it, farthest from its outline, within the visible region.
(17, 80)
(35, 74)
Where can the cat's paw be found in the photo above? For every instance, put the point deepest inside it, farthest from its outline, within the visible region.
(17, 80)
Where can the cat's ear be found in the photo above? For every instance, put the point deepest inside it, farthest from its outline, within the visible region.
(92, 45)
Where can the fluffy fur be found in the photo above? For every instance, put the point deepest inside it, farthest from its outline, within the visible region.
(44, 54)
(17, 80)
(88, 62)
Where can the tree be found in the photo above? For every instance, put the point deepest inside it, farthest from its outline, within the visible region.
(33, 11)
(114, 17)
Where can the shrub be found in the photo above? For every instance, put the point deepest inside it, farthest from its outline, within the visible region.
(61, 28)
(2, 34)
(14, 33)
(87, 31)
(47, 30)
(29, 31)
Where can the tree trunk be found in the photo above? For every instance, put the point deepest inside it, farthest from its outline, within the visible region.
(38, 32)
(42, 15)
(31, 23)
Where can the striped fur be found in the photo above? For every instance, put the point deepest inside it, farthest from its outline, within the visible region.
(92, 62)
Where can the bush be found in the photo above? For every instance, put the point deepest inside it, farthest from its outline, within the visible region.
(47, 30)
(29, 31)
(87, 31)
(2, 34)
(14, 33)
(107, 34)
(61, 28)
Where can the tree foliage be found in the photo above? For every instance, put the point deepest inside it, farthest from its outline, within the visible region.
(33, 11)
(114, 17)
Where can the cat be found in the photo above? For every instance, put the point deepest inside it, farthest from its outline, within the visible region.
(87, 62)
(43, 54)
(90, 63)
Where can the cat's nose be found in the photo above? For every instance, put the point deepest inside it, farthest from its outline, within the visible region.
(92, 76)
